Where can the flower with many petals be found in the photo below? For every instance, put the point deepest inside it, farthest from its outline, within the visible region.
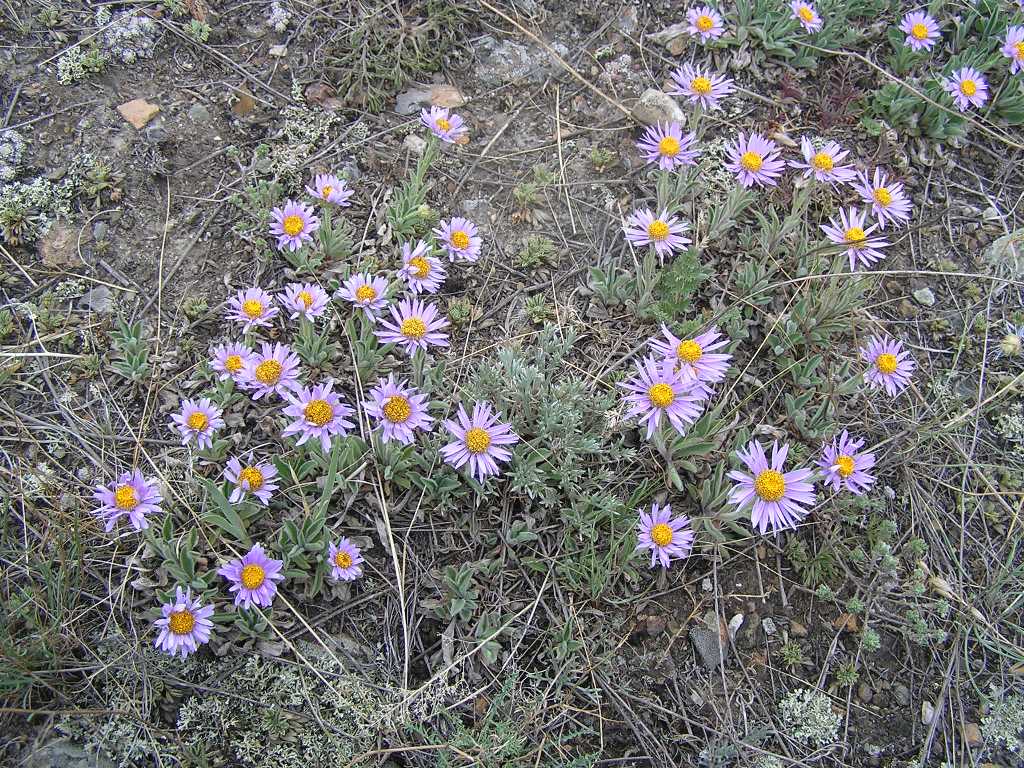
(824, 162)
(778, 499)
(480, 441)
(755, 160)
(131, 495)
(806, 14)
(253, 308)
(968, 87)
(922, 30)
(667, 538)
(851, 233)
(345, 560)
(229, 360)
(197, 421)
(416, 325)
(667, 146)
(399, 409)
(705, 23)
(888, 201)
(701, 86)
(459, 239)
(663, 232)
(446, 125)
(1013, 48)
(305, 299)
(330, 189)
(422, 272)
(253, 578)
(695, 358)
(293, 225)
(661, 389)
(845, 465)
(272, 370)
(889, 365)
(254, 478)
(184, 625)
(318, 413)
(365, 291)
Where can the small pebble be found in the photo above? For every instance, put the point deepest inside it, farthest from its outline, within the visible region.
(768, 626)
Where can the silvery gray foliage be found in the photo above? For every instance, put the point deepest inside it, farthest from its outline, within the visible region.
(129, 37)
(12, 152)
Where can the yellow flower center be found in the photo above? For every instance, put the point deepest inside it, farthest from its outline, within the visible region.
(252, 476)
(886, 363)
(883, 196)
(770, 485)
(689, 351)
(701, 85)
(968, 87)
(661, 534)
(420, 267)
(658, 230)
(413, 328)
(252, 576)
(397, 409)
(233, 363)
(198, 421)
(661, 395)
(366, 293)
(751, 161)
(326, 191)
(306, 298)
(806, 14)
(269, 372)
(343, 560)
(252, 308)
(181, 622)
(477, 440)
(705, 22)
(845, 465)
(823, 161)
(318, 412)
(460, 239)
(1018, 51)
(669, 146)
(854, 235)
(126, 498)
(443, 124)
(919, 31)
(292, 225)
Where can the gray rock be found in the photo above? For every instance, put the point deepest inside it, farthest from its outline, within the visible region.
(768, 626)
(706, 644)
(99, 231)
(99, 299)
(924, 297)
(278, 51)
(409, 102)
(508, 61)
(478, 211)
(653, 107)
(415, 144)
(65, 754)
(902, 694)
(198, 113)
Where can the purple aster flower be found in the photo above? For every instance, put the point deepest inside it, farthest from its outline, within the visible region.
(253, 477)
(416, 326)
(185, 624)
(131, 495)
(850, 233)
(253, 578)
(253, 307)
(922, 30)
(668, 538)
(1013, 48)
(198, 420)
(420, 270)
(704, 22)
(668, 146)
(229, 360)
(345, 560)
(447, 126)
(755, 160)
(319, 413)
(806, 15)
(701, 86)
(459, 239)
(480, 441)
(399, 409)
(779, 498)
(293, 225)
(365, 291)
(968, 88)
(887, 199)
(890, 366)
(824, 162)
(664, 232)
(695, 357)
(330, 189)
(305, 299)
(274, 369)
(660, 388)
(845, 466)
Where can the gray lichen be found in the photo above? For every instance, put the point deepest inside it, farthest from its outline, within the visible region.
(807, 717)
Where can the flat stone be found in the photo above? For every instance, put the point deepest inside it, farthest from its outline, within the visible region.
(278, 51)
(65, 754)
(138, 112)
(508, 61)
(706, 644)
(409, 101)
(446, 96)
(415, 144)
(925, 297)
(198, 113)
(59, 248)
(768, 626)
(796, 629)
(654, 107)
(972, 734)
(99, 299)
